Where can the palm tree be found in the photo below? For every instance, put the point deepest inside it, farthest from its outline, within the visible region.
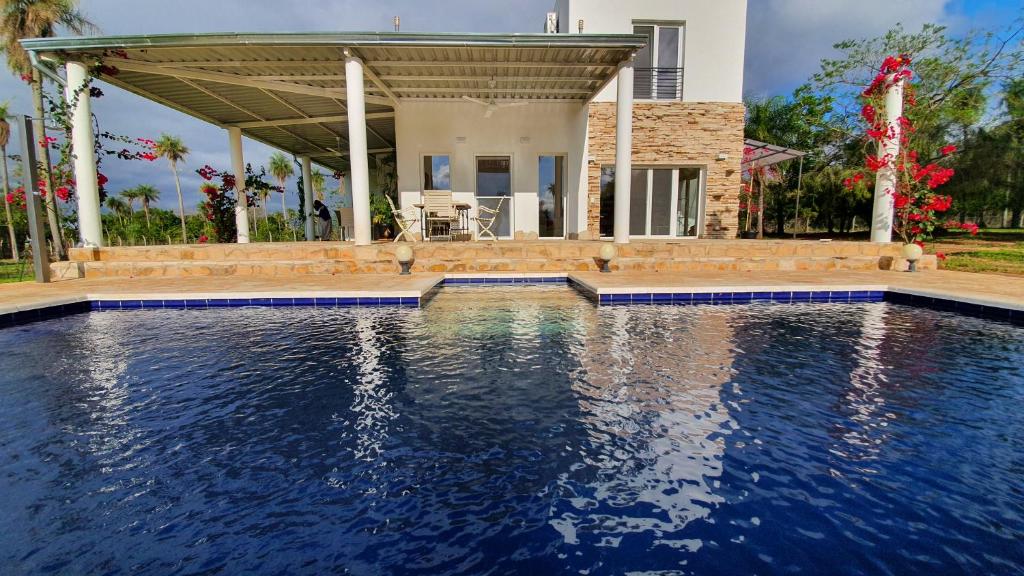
(130, 196)
(316, 180)
(281, 168)
(118, 207)
(5, 136)
(39, 19)
(147, 194)
(171, 147)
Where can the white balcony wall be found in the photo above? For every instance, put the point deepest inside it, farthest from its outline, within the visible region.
(458, 129)
(714, 39)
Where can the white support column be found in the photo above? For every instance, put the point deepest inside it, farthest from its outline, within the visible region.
(90, 227)
(238, 167)
(307, 195)
(885, 179)
(623, 151)
(360, 169)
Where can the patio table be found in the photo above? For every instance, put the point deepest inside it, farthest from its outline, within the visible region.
(462, 208)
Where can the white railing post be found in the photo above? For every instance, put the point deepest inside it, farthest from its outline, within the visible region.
(885, 179)
(238, 167)
(623, 151)
(359, 163)
(87, 187)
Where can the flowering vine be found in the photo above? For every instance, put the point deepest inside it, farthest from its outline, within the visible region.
(917, 206)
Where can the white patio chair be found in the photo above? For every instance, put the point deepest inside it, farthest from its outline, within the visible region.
(486, 217)
(439, 213)
(346, 222)
(405, 218)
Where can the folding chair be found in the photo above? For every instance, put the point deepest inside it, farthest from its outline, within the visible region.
(486, 217)
(405, 218)
(439, 213)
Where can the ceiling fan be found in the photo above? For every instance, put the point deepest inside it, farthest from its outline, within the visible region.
(491, 105)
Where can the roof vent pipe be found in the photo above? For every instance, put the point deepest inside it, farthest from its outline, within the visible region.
(579, 25)
(398, 23)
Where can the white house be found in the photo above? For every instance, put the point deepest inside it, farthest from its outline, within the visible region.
(538, 122)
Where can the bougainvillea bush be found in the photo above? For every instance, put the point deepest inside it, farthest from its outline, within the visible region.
(918, 207)
(219, 206)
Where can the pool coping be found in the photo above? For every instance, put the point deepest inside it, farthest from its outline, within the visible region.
(639, 294)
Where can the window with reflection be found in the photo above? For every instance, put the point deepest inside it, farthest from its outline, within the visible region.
(437, 172)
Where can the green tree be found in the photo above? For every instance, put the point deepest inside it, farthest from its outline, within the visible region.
(21, 19)
(281, 169)
(5, 137)
(172, 148)
(130, 196)
(146, 194)
(316, 180)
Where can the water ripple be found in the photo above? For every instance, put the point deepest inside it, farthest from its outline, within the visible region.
(513, 430)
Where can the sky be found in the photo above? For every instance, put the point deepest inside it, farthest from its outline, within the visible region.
(785, 41)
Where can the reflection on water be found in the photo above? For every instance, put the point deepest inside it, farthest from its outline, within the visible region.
(513, 429)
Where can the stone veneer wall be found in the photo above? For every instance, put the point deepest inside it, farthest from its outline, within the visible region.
(674, 134)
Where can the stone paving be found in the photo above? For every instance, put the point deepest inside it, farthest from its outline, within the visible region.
(987, 289)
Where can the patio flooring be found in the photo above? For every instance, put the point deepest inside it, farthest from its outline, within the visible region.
(985, 289)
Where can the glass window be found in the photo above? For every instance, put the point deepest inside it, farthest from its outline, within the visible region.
(688, 206)
(437, 173)
(551, 197)
(661, 203)
(642, 65)
(607, 223)
(638, 203)
(669, 77)
(658, 66)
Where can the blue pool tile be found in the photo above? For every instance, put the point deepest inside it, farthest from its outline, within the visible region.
(303, 301)
(390, 301)
(347, 301)
(761, 297)
(261, 302)
(644, 298)
(106, 305)
(410, 301)
(218, 302)
(819, 296)
(701, 298)
(195, 303)
(801, 297)
(860, 296)
(370, 301)
(742, 297)
(721, 298)
(136, 304)
(325, 302)
(282, 301)
(604, 298)
(839, 296)
(620, 297)
(179, 304)
(239, 302)
(661, 297)
(876, 296)
(783, 297)
(682, 298)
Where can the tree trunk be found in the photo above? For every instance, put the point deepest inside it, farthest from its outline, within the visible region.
(145, 208)
(284, 207)
(43, 151)
(760, 209)
(7, 209)
(181, 201)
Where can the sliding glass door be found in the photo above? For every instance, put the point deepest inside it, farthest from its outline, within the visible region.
(551, 197)
(494, 190)
(663, 202)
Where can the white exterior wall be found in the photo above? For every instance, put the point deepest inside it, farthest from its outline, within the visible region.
(713, 47)
(556, 129)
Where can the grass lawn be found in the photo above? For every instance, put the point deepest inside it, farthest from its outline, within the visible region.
(10, 270)
(992, 250)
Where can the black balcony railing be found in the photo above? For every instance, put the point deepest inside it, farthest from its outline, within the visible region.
(658, 83)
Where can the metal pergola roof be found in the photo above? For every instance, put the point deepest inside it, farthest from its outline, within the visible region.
(288, 90)
(763, 154)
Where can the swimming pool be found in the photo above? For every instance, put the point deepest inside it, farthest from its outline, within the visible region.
(513, 429)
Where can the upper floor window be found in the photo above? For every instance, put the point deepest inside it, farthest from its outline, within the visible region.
(658, 68)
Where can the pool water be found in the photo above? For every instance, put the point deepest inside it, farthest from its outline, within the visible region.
(513, 430)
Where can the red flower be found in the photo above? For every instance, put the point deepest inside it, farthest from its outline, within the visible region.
(203, 239)
(940, 255)
(101, 179)
(10, 198)
(63, 193)
(947, 150)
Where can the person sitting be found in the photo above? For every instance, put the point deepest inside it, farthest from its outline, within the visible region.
(325, 220)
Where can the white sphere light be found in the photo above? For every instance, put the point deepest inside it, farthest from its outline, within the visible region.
(912, 251)
(607, 252)
(403, 253)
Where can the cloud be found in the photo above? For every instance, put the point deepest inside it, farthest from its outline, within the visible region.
(786, 39)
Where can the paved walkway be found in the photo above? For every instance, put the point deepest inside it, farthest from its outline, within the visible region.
(986, 289)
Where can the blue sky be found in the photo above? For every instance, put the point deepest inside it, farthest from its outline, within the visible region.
(785, 40)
